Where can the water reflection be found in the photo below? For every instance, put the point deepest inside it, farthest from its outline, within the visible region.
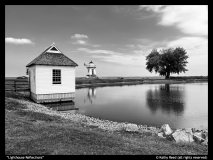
(165, 87)
(167, 99)
(91, 95)
(63, 106)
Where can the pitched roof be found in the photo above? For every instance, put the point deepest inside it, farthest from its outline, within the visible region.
(52, 56)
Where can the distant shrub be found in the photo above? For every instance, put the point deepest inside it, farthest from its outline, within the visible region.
(79, 82)
(23, 77)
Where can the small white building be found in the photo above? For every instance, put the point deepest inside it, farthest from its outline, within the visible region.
(91, 69)
(52, 76)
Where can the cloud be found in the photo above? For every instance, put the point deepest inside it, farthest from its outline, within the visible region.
(18, 41)
(196, 48)
(131, 10)
(130, 45)
(122, 59)
(79, 36)
(189, 19)
(145, 46)
(116, 57)
(95, 51)
(96, 45)
(80, 42)
(122, 9)
(196, 45)
(155, 8)
(81, 39)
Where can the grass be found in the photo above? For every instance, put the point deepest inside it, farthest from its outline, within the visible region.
(92, 81)
(82, 83)
(32, 133)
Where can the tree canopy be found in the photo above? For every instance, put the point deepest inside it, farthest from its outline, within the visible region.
(167, 61)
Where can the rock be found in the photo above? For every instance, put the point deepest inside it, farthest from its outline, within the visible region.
(160, 134)
(152, 128)
(205, 143)
(193, 130)
(205, 135)
(198, 136)
(188, 130)
(166, 129)
(131, 127)
(182, 136)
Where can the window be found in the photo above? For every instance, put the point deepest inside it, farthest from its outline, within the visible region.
(56, 76)
(54, 49)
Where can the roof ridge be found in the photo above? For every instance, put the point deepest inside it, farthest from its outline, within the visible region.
(40, 56)
(53, 46)
(43, 59)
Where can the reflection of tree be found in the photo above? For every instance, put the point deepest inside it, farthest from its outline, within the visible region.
(91, 95)
(165, 87)
(168, 99)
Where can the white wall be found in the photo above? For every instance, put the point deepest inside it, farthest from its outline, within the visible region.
(94, 72)
(32, 71)
(44, 80)
(90, 71)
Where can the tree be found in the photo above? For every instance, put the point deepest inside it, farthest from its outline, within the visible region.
(168, 61)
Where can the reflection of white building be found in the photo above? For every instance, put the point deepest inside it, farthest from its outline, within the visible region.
(91, 95)
(91, 69)
(65, 106)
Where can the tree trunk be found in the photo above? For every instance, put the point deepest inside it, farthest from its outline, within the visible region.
(167, 75)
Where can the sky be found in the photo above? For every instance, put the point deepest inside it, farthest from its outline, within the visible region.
(117, 38)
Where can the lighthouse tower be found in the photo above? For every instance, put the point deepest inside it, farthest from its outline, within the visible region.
(91, 70)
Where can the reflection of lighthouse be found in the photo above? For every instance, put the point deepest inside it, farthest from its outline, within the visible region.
(91, 95)
(91, 69)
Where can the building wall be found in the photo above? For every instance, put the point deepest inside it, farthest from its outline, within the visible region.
(44, 80)
(94, 72)
(32, 75)
(49, 98)
(90, 71)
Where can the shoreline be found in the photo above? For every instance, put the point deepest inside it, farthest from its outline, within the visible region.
(154, 81)
(104, 124)
(48, 127)
(32, 106)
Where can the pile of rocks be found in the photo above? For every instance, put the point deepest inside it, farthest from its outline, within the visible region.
(186, 135)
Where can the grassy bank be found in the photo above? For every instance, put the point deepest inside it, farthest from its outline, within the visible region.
(115, 81)
(83, 82)
(32, 129)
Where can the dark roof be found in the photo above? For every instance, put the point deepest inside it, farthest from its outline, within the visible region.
(90, 62)
(54, 59)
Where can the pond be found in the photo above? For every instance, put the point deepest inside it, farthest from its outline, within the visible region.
(179, 105)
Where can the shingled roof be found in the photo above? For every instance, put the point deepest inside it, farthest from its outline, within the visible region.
(52, 56)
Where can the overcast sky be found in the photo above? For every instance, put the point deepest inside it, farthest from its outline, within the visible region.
(116, 38)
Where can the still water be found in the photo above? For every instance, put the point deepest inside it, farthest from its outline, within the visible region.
(179, 105)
